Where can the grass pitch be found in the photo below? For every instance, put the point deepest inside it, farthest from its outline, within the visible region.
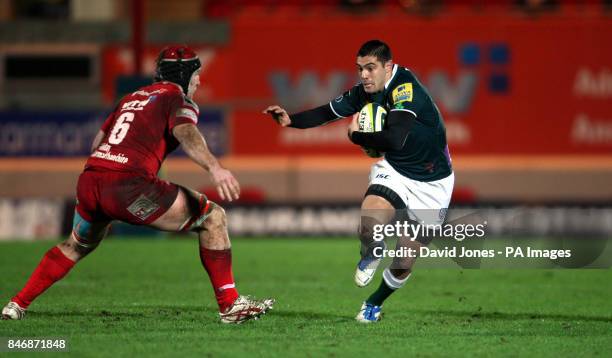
(152, 297)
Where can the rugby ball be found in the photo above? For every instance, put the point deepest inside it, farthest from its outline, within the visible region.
(372, 119)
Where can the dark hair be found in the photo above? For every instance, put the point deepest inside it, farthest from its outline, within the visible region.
(376, 48)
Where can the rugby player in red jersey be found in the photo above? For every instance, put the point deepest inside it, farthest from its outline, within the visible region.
(120, 182)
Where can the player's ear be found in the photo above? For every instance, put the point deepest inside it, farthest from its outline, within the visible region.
(389, 66)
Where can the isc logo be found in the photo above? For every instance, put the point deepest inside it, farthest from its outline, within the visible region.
(135, 105)
(382, 176)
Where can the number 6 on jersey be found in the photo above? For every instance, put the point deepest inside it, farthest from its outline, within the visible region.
(121, 128)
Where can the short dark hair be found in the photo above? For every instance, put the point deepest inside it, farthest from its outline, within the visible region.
(376, 48)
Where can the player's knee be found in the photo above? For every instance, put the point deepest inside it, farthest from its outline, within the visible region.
(217, 220)
(366, 229)
(74, 250)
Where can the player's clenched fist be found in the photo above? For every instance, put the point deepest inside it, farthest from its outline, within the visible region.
(279, 115)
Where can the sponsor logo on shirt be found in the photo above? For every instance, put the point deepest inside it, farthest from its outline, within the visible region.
(117, 158)
(147, 94)
(402, 93)
(135, 105)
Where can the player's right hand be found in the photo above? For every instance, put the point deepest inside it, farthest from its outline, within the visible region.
(227, 186)
(279, 115)
(353, 126)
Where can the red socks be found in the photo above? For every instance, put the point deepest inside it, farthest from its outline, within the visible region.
(53, 266)
(218, 264)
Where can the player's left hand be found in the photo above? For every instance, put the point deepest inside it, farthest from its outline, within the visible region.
(227, 186)
(353, 126)
(279, 114)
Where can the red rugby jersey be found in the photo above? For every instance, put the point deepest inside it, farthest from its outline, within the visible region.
(138, 134)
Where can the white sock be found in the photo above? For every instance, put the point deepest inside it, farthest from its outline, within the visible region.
(392, 281)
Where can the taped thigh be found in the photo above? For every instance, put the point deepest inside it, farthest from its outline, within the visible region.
(205, 208)
(86, 234)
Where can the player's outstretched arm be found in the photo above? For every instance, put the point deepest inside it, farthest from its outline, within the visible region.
(195, 146)
(306, 119)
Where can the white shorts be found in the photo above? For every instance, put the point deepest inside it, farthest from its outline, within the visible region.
(426, 201)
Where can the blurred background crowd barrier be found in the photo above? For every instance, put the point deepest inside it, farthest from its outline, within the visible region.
(525, 88)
